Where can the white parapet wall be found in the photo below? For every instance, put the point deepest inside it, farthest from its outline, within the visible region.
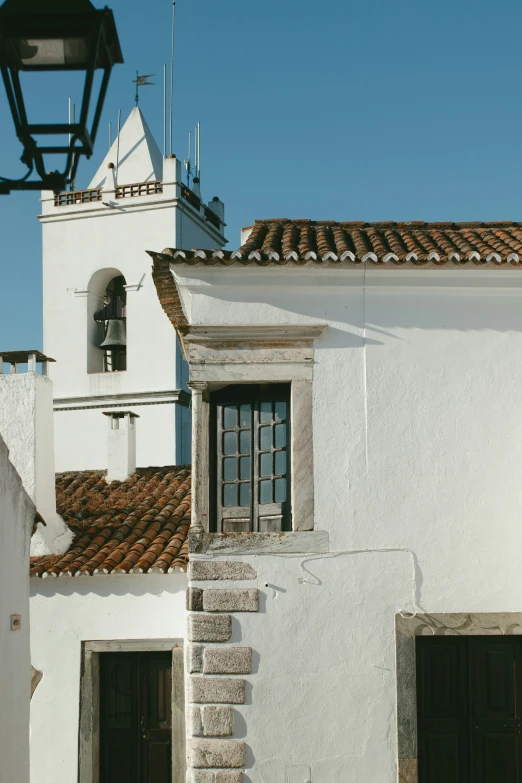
(26, 424)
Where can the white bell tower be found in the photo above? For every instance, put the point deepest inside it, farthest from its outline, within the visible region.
(95, 265)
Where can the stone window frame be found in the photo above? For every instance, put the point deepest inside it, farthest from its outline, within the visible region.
(89, 726)
(450, 624)
(225, 355)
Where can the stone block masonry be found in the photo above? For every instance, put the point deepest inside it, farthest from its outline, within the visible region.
(211, 721)
(244, 600)
(223, 776)
(194, 599)
(209, 628)
(212, 690)
(213, 756)
(203, 753)
(207, 571)
(227, 660)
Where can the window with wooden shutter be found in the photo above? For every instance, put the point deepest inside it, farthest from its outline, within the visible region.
(250, 460)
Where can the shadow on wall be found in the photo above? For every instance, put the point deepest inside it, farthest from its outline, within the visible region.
(106, 585)
(380, 309)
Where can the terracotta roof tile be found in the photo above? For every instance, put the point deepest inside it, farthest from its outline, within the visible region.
(282, 241)
(135, 526)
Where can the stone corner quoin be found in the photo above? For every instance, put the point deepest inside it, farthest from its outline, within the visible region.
(211, 571)
(245, 599)
(216, 690)
(205, 753)
(209, 627)
(210, 716)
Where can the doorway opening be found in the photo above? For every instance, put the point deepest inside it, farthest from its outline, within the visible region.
(132, 712)
(136, 717)
(469, 709)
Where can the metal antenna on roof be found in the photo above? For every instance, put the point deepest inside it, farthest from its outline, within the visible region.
(164, 110)
(187, 162)
(74, 123)
(172, 74)
(118, 144)
(197, 149)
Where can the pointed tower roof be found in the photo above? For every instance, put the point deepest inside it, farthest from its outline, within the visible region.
(140, 159)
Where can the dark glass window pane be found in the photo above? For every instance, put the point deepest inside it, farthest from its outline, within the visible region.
(280, 435)
(280, 463)
(280, 490)
(229, 443)
(229, 417)
(265, 412)
(265, 492)
(244, 442)
(265, 464)
(265, 438)
(230, 469)
(244, 494)
(245, 415)
(230, 495)
(280, 411)
(244, 467)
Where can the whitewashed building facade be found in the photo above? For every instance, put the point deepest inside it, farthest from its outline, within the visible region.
(381, 554)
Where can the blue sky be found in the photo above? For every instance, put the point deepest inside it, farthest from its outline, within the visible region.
(339, 110)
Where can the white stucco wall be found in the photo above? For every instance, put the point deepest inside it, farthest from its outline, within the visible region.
(16, 521)
(81, 437)
(66, 612)
(26, 424)
(417, 446)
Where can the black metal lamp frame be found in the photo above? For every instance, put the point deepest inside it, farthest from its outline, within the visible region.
(104, 52)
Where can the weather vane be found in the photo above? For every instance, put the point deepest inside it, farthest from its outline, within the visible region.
(141, 81)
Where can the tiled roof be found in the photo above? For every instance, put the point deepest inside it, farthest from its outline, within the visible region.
(283, 241)
(136, 526)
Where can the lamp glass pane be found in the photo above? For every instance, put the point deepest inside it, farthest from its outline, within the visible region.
(52, 52)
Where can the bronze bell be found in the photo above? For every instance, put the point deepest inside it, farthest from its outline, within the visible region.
(115, 336)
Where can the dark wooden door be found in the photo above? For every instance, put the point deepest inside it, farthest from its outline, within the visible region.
(469, 709)
(135, 717)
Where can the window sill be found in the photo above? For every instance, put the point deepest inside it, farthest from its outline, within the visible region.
(298, 542)
(105, 372)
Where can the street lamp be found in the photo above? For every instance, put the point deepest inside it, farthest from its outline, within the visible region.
(55, 35)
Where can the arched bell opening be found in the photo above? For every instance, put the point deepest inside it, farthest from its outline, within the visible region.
(112, 330)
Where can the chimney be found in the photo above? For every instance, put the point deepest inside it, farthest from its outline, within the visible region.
(26, 425)
(218, 208)
(121, 444)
